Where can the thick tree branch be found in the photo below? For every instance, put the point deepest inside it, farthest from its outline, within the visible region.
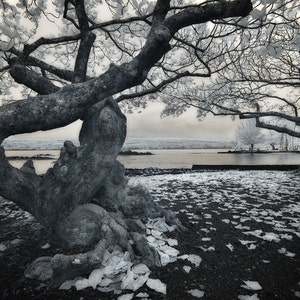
(158, 87)
(279, 129)
(86, 43)
(32, 61)
(250, 115)
(160, 11)
(31, 79)
(29, 48)
(82, 58)
(209, 11)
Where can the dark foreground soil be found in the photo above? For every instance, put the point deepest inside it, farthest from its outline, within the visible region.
(219, 275)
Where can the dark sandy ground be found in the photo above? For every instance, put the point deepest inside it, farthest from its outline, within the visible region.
(222, 211)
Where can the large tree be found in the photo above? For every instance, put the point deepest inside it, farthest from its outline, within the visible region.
(262, 81)
(96, 53)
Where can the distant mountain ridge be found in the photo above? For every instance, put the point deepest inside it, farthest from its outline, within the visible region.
(130, 144)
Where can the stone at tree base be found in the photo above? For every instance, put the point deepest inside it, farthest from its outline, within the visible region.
(40, 269)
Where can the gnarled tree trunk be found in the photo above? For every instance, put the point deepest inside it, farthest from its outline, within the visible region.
(84, 200)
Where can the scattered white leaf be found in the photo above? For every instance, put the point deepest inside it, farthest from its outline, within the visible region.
(227, 221)
(251, 247)
(246, 242)
(194, 259)
(230, 247)
(245, 297)
(286, 253)
(157, 285)
(142, 295)
(95, 278)
(196, 293)
(125, 297)
(252, 285)
(185, 256)
(172, 242)
(2, 247)
(270, 236)
(206, 239)
(46, 246)
(187, 269)
(140, 269)
(286, 236)
(266, 261)
(81, 284)
(209, 249)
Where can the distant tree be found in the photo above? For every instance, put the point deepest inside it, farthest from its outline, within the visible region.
(248, 133)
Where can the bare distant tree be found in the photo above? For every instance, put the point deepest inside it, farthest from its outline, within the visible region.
(248, 133)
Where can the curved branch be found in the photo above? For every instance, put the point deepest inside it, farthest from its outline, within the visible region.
(158, 87)
(82, 58)
(250, 115)
(31, 79)
(279, 129)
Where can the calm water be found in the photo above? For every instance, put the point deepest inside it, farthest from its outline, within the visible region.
(184, 158)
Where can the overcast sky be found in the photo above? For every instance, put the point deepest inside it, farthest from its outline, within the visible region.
(148, 123)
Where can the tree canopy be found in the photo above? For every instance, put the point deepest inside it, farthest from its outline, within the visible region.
(68, 55)
(261, 79)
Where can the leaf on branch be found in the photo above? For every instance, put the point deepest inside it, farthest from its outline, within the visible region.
(275, 50)
(258, 13)
(268, 1)
(6, 31)
(5, 46)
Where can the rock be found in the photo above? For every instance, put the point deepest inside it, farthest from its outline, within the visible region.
(40, 269)
(84, 226)
(16, 242)
(2, 247)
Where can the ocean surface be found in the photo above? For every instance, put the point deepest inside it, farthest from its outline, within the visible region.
(168, 159)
